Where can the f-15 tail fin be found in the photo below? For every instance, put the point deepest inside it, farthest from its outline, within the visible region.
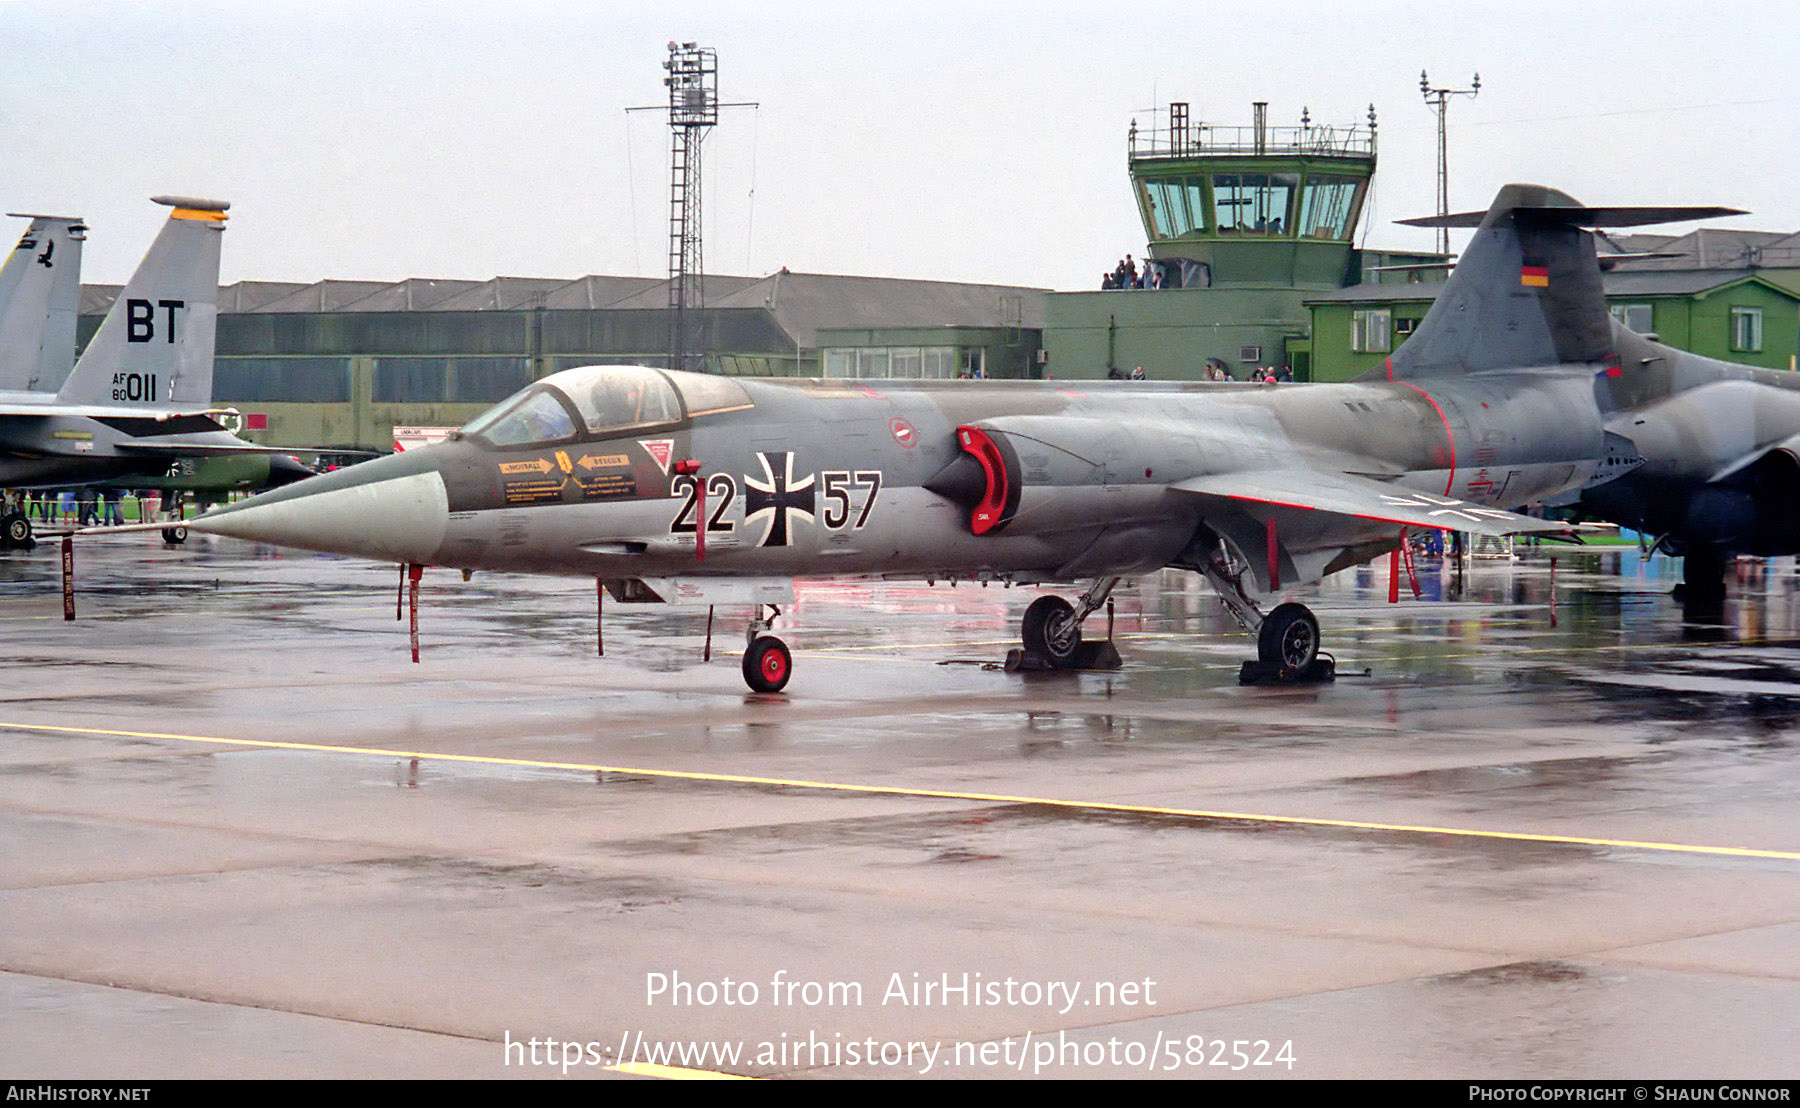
(1526, 291)
(40, 298)
(155, 346)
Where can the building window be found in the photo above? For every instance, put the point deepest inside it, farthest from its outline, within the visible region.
(1746, 329)
(1634, 317)
(908, 363)
(281, 381)
(938, 362)
(872, 363)
(1370, 331)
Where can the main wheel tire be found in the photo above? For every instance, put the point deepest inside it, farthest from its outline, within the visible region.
(768, 664)
(1701, 593)
(174, 536)
(1050, 631)
(1289, 638)
(18, 529)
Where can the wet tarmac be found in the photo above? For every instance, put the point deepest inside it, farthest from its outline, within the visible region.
(1552, 832)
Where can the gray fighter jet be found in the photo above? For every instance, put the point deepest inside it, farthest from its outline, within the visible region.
(140, 397)
(678, 486)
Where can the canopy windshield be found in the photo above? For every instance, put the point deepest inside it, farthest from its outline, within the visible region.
(592, 401)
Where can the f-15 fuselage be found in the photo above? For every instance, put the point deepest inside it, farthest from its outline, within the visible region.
(73, 444)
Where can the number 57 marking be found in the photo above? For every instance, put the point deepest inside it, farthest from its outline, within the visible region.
(836, 485)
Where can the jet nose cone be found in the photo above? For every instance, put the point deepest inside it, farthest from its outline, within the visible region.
(366, 511)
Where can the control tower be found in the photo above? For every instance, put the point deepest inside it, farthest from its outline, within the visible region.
(1242, 224)
(1233, 206)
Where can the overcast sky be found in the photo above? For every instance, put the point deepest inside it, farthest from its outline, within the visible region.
(976, 141)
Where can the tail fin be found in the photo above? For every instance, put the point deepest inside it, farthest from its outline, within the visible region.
(40, 299)
(1527, 290)
(155, 346)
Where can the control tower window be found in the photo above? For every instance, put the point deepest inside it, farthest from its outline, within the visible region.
(1254, 203)
(1177, 205)
(1327, 208)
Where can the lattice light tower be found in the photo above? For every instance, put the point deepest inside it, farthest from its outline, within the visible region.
(1438, 99)
(693, 84)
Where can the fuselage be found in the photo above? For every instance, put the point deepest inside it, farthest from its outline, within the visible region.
(620, 472)
(1717, 447)
(47, 442)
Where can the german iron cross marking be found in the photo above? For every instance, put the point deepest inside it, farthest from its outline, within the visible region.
(777, 495)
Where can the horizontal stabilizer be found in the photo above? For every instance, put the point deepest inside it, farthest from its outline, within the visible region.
(201, 449)
(1579, 216)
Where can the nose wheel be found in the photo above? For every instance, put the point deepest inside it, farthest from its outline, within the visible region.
(767, 664)
(767, 661)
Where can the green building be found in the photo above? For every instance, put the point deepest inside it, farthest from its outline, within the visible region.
(340, 364)
(1735, 315)
(1243, 225)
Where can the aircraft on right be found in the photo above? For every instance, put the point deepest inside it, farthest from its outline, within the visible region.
(1702, 455)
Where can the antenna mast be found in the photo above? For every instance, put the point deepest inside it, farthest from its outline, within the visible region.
(693, 83)
(1438, 99)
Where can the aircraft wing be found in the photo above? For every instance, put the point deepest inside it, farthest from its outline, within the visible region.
(205, 450)
(1269, 494)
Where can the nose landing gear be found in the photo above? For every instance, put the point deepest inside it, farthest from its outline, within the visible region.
(767, 661)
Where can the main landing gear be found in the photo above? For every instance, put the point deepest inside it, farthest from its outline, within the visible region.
(767, 662)
(15, 521)
(1287, 639)
(173, 510)
(1051, 633)
(15, 529)
(1701, 593)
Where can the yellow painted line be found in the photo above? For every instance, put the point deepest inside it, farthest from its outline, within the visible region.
(928, 794)
(675, 1073)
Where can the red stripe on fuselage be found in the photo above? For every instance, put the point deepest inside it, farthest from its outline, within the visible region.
(1449, 438)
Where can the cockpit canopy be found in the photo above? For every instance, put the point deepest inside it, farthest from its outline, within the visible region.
(601, 400)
